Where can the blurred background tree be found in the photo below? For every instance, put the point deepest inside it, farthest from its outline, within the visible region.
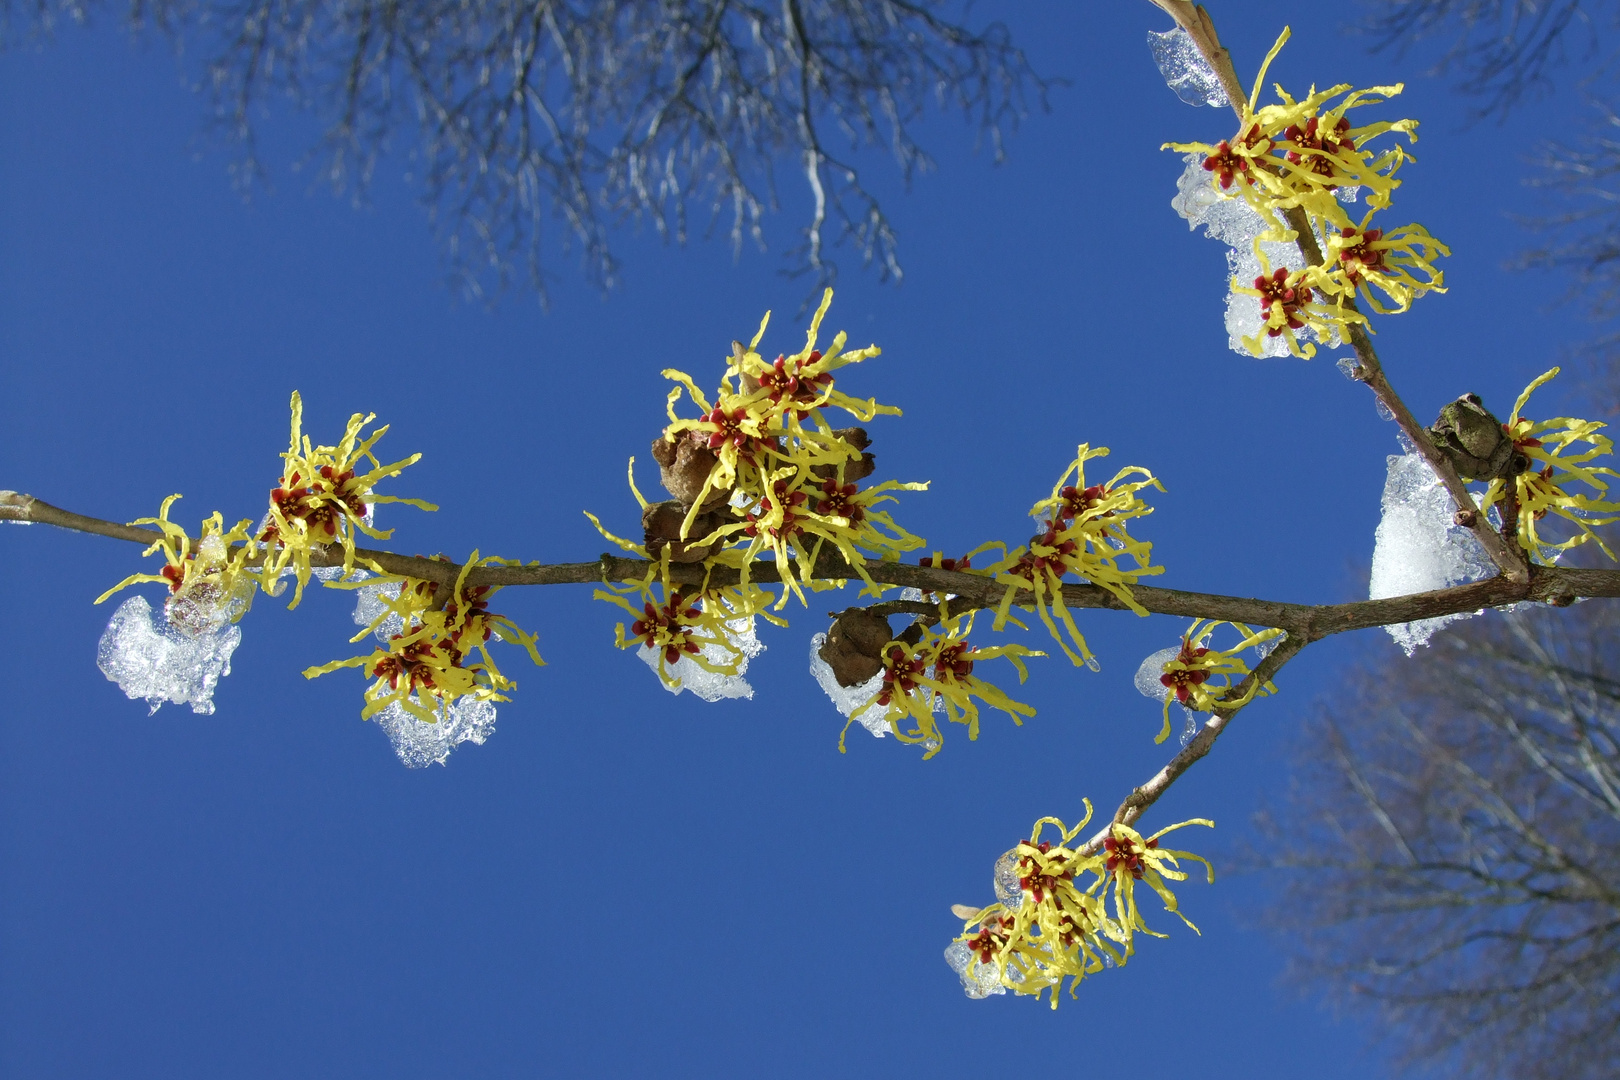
(1508, 53)
(531, 116)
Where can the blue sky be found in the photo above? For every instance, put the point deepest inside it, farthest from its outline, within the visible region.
(621, 882)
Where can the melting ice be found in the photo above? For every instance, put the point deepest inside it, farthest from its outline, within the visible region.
(419, 743)
(741, 645)
(1185, 70)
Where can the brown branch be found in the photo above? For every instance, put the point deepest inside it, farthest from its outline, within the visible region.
(1310, 622)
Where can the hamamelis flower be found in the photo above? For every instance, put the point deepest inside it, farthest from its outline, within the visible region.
(441, 654)
(1086, 533)
(1189, 678)
(1289, 304)
(706, 627)
(1129, 858)
(208, 579)
(938, 672)
(324, 497)
(1555, 465)
(1397, 262)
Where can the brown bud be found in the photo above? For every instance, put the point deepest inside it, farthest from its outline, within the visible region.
(854, 646)
(1465, 518)
(1475, 442)
(661, 526)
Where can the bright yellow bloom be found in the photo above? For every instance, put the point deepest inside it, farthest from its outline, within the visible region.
(323, 498)
(431, 662)
(1084, 533)
(699, 624)
(1187, 678)
(208, 579)
(1541, 488)
(1390, 260)
(1290, 305)
(938, 670)
(1129, 859)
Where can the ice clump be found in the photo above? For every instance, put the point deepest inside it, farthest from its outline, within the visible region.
(1419, 548)
(163, 663)
(1008, 891)
(978, 979)
(371, 600)
(741, 646)
(419, 743)
(849, 698)
(1236, 224)
(1148, 675)
(1184, 68)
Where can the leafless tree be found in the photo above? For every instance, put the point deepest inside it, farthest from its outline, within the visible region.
(1452, 845)
(594, 112)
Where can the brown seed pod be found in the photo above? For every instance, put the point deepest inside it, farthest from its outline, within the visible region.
(855, 469)
(854, 646)
(684, 464)
(661, 526)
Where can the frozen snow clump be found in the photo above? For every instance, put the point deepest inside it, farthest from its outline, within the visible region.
(741, 646)
(1419, 548)
(1184, 68)
(371, 600)
(419, 743)
(163, 663)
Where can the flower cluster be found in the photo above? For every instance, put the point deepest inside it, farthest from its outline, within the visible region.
(1188, 677)
(936, 672)
(1083, 532)
(208, 579)
(762, 471)
(441, 653)
(325, 495)
(1553, 463)
(1053, 919)
(1307, 155)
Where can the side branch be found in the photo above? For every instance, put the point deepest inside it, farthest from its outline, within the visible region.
(1201, 29)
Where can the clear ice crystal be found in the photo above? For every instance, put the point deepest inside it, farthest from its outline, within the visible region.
(711, 685)
(372, 600)
(1234, 223)
(978, 979)
(1008, 892)
(419, 743)
(1184, 68)
(849, 698)
(1419, 548)
(1147, 676)
(163, 663)
(1189, 731)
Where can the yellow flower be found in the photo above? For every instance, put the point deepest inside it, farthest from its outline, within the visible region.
(1289, 305)
(698, 624)
(1541, 488)
(1128, 858)
(938, 670)
(431, 662)
(208, 579)
(323, 498)
(1085, 533)
(1187, 678)
(1361, 259)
